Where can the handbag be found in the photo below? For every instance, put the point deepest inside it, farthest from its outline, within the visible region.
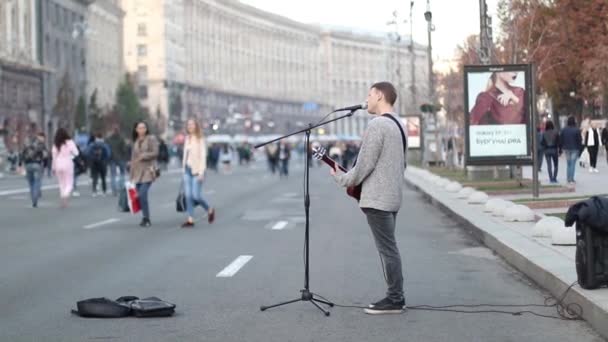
(80, 164)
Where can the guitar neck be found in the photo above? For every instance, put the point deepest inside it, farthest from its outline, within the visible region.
(332, 163)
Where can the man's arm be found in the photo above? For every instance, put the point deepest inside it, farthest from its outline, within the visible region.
(371, 148)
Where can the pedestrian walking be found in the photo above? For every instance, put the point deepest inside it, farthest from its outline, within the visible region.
(99, 155)
(593, 142)
(540, 150)
(143, 166)
(163, 154)
(119, 154)
(226, 158)
(32, 158)
(571, 144)
(64, 150)
(380, 169)
(284, 156)
(550, 143)
(605, 139)
(272, 155)
(194, 167)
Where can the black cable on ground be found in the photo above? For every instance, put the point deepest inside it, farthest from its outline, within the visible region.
(565, 311)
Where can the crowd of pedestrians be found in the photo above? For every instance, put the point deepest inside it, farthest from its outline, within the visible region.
(138, 159)
(579, 144)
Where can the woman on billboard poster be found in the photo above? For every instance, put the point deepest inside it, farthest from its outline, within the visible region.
(501, 103)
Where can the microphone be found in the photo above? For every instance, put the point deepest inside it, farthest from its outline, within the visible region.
(352, 108)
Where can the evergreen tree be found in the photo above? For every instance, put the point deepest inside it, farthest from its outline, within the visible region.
(127, 106)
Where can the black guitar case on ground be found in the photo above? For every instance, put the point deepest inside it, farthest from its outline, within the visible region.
(591, 257)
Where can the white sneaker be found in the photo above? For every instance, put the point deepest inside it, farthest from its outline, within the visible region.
(590, 170)
(596, 170)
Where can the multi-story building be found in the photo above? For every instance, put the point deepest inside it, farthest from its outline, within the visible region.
(104, 50)
(63, 44)
(246, 69)
(20, 70)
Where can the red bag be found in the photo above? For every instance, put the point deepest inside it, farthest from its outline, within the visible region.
(133, 198)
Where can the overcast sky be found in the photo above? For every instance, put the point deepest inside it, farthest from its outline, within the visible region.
(454, 20)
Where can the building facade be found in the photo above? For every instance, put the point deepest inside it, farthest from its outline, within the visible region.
(20, 71)
(104, 51)
(244, 69)
(63, 45)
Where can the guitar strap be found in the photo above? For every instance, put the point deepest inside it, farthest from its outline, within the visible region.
(403, 138)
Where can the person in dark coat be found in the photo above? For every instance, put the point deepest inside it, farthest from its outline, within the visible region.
(593, 142)
(571, 144)
(550, 144)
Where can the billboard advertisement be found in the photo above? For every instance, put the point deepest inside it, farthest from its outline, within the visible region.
(413, 130)
(498, 117)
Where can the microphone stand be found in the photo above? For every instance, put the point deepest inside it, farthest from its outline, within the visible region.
(306, 294)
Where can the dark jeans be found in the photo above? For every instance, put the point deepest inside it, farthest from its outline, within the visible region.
(99, 170)
(382, 224)
(593, 150)
(142, 193)
(552, 163)
(541, 153)
(33, 174)
(117, 167)
(284, 169)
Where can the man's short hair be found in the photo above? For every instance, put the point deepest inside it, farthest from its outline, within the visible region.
(388, 90)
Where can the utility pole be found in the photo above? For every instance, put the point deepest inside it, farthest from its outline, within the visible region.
(398, 71)
(485, 34)
(428, 16)
(413, 60)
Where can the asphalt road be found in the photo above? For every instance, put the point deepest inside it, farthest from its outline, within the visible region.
(51, 258)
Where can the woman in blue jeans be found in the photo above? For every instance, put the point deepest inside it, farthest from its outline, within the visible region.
(571, 144)
(142, 167)
(195, 165)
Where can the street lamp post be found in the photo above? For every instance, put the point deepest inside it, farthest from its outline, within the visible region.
(81, 30)
(428, 16)
(398, 71)
(413, 58)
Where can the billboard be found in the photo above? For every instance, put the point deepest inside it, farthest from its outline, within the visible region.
(413, 130)
(498, 116)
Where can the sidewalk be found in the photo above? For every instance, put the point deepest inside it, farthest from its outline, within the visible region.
(551, 267)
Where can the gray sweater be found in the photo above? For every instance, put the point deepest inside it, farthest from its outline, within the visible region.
(379, 167)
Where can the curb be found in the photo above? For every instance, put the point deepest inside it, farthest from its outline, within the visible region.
(595, 310)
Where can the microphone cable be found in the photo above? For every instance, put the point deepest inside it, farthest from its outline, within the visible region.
(565, 311)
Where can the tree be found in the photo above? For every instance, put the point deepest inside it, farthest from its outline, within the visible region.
(64, 103)
(127, 106)
(80, 120)
(95, 115)
(566, 40)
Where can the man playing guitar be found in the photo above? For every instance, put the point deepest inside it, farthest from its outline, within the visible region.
(379, 168)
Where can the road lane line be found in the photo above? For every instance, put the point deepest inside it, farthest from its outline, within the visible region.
(280, 225)
(101, 223)
(234, 266)
(27, 190)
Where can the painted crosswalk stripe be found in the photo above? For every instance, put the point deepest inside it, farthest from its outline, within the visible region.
(279, 225)
(101, 223)
(234, 266)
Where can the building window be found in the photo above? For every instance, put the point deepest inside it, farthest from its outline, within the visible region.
(142, 30)
(142, 92)
(142, 50)
(142, 72)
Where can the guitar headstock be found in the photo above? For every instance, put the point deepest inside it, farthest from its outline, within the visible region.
(318, 152)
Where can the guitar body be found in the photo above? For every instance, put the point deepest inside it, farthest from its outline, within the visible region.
(352, 191)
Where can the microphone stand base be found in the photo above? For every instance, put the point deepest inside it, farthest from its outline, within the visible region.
(307, 296)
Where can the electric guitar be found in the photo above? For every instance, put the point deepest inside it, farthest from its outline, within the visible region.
(320, 153)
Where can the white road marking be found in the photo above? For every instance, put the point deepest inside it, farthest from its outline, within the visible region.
(234, 266)
(102, 223)
(27, 190)
(209, 192)
(280, 225)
